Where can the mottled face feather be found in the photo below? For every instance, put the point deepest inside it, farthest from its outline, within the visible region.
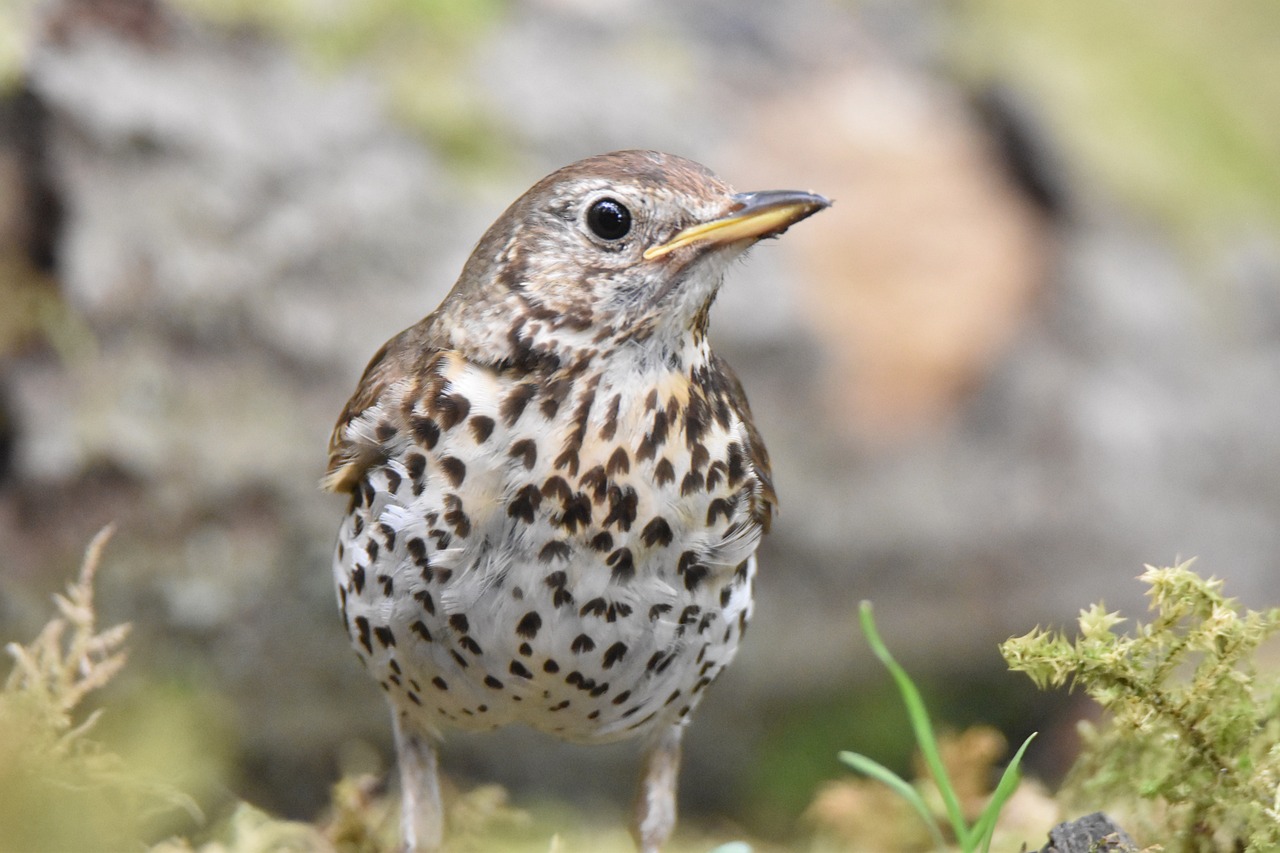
(563, 266)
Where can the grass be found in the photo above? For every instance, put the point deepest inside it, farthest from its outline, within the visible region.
(970, 837)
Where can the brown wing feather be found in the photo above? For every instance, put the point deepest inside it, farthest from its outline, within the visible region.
(766, 501)
(405, 356)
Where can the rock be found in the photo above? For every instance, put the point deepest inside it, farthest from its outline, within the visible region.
(1094, 833)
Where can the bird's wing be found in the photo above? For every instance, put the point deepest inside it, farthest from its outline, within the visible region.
(765, 499)
(374, 414)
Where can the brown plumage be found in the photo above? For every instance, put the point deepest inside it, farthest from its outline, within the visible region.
(557, 489)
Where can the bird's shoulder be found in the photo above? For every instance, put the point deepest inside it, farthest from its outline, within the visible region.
(396, 372)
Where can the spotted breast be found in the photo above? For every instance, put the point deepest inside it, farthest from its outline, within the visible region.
(573, 551)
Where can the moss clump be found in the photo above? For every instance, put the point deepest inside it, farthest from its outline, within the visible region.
(1191, 745)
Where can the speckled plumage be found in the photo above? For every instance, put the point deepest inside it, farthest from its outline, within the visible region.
(556, 487)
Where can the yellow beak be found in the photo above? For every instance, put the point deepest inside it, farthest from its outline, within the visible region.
(754, 216)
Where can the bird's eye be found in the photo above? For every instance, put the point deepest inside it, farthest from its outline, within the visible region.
(609, 219)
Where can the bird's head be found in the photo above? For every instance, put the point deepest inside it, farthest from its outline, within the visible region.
(623, 249)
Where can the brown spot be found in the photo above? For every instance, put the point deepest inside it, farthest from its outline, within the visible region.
(622, 697)
(425, 431)
(692, 483)
(491, 682)
(714, 474)
(651, 400)
(393, 481)
(362, 624)
(456, 518)
(525, 504)
(481, 428)
(622, 507)
(568, 460)
(526, 450)
(594, 607)
(420, 628)
(459, 623)
(384, 431)
(582, 643)
(357, 579)
(614, 654)
(596, 482)
(519, 670)
(454, 469)
(554, 550)
(514, 403)
(658, 433)
(619, 463)
(451, 409)
(719, 507)
(696, 418)
(610, 428)
(657, 532)
(551, 667)
(657, 610)
(557, 488)
(529, 625)
(469, 644)
(577, 512)
(624, 567)
(602, 541)
(440, 683)
(663, 472)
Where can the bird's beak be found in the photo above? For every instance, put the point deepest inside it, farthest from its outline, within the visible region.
(753, 216)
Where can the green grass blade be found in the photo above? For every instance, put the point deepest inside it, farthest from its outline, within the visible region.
(985, 827)
(875, 770)
(920, 725)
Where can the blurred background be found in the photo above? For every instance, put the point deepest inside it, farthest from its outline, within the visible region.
(1034, 345)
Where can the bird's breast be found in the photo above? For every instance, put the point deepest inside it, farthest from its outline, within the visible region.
(574, 552)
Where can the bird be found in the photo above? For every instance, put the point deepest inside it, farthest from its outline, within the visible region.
(556, 488)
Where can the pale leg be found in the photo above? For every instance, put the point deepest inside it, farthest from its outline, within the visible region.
(422, 816)
(655, 813)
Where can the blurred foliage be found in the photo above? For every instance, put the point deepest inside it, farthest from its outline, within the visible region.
(15, 27)
(417, 48)
(1192, 744)
(1174, 105)
(59, 789)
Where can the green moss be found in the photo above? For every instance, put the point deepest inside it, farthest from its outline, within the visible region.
(1192, 743)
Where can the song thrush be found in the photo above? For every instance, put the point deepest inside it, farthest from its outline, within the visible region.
(557, 489)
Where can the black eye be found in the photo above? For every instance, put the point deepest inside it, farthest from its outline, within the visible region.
(609, 219)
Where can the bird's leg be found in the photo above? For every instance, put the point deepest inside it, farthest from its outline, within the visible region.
(422, 816)
(655, 811)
